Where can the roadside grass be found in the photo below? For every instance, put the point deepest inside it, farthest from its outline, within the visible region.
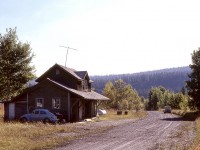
(196, 143)
(37, 136)
(183, 133)
(192, 116)
(112, 115)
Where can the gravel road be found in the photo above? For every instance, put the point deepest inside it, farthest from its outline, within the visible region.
(156, 131)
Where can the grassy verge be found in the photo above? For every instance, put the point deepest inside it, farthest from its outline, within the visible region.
(18, 136)
(196, 143)
(15, 135)
(192, 116)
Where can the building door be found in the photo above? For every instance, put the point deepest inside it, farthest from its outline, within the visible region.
(88, 109)
(11, 110)
(75, 110)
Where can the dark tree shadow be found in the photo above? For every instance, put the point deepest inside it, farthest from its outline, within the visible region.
(189, 116)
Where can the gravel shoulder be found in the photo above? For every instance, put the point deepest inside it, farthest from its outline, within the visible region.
(156, 131)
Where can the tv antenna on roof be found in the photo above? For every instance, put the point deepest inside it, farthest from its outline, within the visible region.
(68, 48)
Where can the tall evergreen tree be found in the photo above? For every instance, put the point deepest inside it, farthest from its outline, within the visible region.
(193, 85)
(15, 64)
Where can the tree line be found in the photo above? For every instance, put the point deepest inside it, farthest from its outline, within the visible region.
(123, 96)
(172, 79)
(159, 97)
(188, 98)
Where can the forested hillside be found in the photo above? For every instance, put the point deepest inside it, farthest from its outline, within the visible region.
(172, 79)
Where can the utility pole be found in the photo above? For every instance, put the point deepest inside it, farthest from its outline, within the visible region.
(68, 48)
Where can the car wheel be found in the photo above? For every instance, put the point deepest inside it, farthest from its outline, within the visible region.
(46, 120)
(23, 120)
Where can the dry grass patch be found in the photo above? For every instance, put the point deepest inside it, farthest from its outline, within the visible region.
(192, 116)
(112, 115)
(36, 136)
(19, 136)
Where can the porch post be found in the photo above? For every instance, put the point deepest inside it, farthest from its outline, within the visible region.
(97, 107)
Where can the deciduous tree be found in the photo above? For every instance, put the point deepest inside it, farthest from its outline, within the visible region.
(122, 96)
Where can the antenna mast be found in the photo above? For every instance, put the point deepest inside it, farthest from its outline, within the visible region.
(68, 48)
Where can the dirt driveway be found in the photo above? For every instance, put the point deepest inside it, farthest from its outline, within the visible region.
(156, 131)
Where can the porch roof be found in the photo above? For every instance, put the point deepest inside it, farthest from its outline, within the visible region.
(92, 95)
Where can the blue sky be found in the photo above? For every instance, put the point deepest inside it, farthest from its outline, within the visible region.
(111, 36)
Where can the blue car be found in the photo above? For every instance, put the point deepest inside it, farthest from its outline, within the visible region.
(43, 115)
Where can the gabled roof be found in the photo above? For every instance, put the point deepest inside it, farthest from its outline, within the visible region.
(70, 71)
(81, 74)
(86, 95)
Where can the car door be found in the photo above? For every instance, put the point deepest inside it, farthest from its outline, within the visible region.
(43, 115)
(35, 115)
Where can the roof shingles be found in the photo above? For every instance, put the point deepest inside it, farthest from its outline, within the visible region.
(71, 71)
(86, 95)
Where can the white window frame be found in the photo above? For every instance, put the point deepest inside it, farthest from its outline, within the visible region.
(39, 102)
(56, 103)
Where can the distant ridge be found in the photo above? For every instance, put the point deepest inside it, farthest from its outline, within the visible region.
(172, 79)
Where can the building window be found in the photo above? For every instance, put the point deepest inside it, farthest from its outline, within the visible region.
(57, 72)
(56, 103)
(39, 102)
